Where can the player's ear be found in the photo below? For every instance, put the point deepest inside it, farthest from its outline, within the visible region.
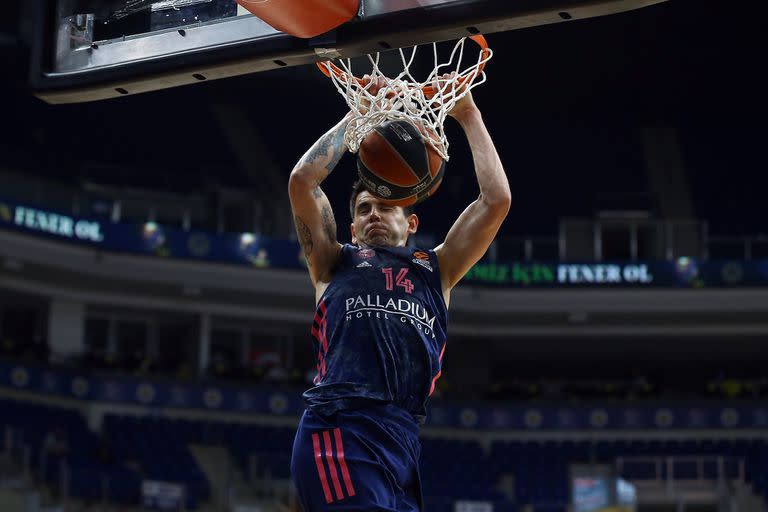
(352, 231)
(413, 223)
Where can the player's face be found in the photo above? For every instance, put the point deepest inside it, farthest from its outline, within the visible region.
(378, 224)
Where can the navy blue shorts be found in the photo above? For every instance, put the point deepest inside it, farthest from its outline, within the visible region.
(362, 459)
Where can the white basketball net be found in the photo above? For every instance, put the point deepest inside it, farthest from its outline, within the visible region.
(403, 96)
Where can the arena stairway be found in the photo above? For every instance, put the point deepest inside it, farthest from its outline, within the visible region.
(746, 500)
(218, 468)
(229, 488)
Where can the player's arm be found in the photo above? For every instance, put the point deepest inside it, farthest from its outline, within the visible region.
(476, 227)
(312, 214)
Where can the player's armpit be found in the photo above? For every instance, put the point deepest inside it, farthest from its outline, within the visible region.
(315, 226)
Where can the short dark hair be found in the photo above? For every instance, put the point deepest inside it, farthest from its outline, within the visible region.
(358, 187)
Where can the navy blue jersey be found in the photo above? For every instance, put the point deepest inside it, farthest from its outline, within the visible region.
(379, 331)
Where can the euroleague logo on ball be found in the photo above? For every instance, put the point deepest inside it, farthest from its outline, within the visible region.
(399, 164)
(401, 132)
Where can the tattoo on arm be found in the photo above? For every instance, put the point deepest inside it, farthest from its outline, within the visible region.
(338, 148)
(305, 237)
(330, 148)
(329, 223)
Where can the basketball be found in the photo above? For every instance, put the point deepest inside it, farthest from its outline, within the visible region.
(396, 164)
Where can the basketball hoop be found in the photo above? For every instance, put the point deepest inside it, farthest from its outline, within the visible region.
(424, 103)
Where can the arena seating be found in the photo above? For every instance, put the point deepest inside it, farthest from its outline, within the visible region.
(89, 477)
(160, 451)
(158, 448)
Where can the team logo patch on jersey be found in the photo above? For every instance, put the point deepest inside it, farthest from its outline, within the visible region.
(422, 258)
(364, 264)
(366, 254)
(423, 263)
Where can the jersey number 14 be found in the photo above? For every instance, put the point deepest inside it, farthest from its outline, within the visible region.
(399, 280)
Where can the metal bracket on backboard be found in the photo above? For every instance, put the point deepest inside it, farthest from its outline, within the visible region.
(327, 53)
(78, 31)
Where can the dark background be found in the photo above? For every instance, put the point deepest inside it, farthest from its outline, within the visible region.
(564, 103)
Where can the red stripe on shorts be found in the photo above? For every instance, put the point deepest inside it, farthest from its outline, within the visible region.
(320, 468)
(332, 465)
(343, 463)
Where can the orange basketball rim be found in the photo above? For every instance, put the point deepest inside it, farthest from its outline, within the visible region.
(429, 90)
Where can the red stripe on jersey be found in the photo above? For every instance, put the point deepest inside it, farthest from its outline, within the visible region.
(321, 469)
(324, 330)
(439, 373)
(319, 333)
(343, 462)
(434, 381)
(320, 368)
(324, 342)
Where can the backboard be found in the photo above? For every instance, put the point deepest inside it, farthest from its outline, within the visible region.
(97, 49)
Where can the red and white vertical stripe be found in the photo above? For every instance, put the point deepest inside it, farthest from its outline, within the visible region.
(319, 327)
(329, 455)
(439, 372)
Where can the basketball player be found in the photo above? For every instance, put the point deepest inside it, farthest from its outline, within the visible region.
(380, 326)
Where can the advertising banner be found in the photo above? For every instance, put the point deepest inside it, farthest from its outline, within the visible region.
(679, 273)
(152, 239)
(254, 250)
